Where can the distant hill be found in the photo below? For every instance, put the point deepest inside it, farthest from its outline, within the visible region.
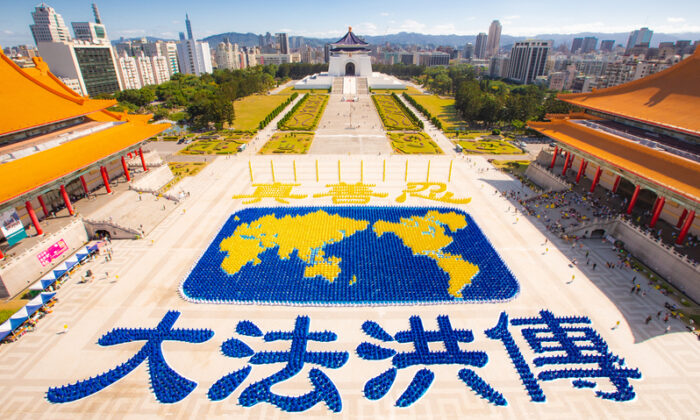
(424, 40)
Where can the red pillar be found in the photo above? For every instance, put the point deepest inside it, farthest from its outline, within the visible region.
(43, 206)
(66, 200)
(633, 201)
(32, 216)
(554, 157)
(657, 211)
(1, 254)
(682, 218)
(143, 162)
(686, 227)
(566, 163)
(616, 184)
(126, 169)
(105, 179)
(580, 170)
(85, 187)
(596, 178)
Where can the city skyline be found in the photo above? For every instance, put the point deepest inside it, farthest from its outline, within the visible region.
(214, 17)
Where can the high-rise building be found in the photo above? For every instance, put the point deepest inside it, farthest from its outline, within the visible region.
(607, 44)
(129, 72)
(91, 31)
(227, 56)
(528, 59)
(499, 66)
(283, 43)
(167, 49)
(48, 25)
(639, 37)
(189, 26)
(480, 46)
(589, 44)
(576, 45)
(193, 56)
(493, 43)
(468, 50)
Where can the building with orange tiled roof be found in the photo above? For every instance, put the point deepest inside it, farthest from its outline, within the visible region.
(641, 140)
(56, 145)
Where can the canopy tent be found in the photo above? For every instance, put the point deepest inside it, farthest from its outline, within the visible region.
(72, 261)
(60, 269)
(44, 282)
(23, 314)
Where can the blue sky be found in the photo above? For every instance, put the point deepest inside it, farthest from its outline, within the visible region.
(161, 18)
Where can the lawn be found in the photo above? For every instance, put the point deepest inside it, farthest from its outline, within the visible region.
(288, 143)
(224, 145)
(443, 109)
(181, 170)
(489, 147)
(413, 143)
(393, 117)
(252, 109)
(308, 115)
(409, 89)
(465, 135)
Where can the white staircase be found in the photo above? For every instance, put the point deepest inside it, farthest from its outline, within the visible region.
(362, 88)
(337, 85)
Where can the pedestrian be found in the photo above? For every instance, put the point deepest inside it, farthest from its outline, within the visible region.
(594, 264)
(666, 317)
(587, 254)
(634, 279)
(668, 329)
(648, 320)
(633, 289)
(658, 315)
(617, 324)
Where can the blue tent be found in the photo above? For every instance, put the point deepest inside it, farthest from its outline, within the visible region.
(44, 282)
(82, 253)
(23, 314)
(60, 270)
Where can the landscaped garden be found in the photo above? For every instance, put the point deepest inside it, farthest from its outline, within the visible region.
(305, 115)
(251, 110)
(466, 135)
(394, 115)
(409, 89)
(413, 143)
(288, 143)
(226, 143)
(181, 170)
(441, 108)
(489, 147)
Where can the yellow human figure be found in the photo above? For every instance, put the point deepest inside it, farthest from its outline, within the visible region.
(280, 192)
(418, 189)
(357, 193)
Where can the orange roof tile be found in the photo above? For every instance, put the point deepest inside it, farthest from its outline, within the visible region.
(41, 168)
(669, 99)
(35, 97)
(664, 169)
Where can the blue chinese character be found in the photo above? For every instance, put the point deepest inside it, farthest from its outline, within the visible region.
(324, 389)
(573, 345)
(168, 386)
(377, 387)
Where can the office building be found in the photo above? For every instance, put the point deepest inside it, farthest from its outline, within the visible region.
(576, 45)
(589, 44)
(498, 67)
(607, 45)
(193, 56)
(48, 25)
(94, 32)
(480, 46)
(527, 60)
(639, 37)
(129, 72)
(167, 49)
(434, 58)
(283, 43)
(188, 24)
(493, 43)
(468, 51)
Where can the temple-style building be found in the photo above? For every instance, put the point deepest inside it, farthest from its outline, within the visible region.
(348, 57)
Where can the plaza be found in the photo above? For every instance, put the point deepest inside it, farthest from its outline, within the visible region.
(461, 356)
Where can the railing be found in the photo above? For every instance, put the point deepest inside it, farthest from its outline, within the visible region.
(113, 225)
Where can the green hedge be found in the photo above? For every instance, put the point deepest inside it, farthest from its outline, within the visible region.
(433, 119)
(271, 116)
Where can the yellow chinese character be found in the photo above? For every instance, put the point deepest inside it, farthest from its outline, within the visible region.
(343, 193)
(277, 190)
(433, 189)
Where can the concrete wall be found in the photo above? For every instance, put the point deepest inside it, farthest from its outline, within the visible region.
(154, 180)
(544, 178)
(115, 231)
(25, 269)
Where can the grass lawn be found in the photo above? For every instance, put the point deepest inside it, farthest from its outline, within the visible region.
(489, 147)
(413, 143)
(181, 170)
(443, 109)
(464, 135)
(409, 89)
(227, 145)
(250, 110)
(392, 115)
(288, 142)
(516, 166)
(308, 115)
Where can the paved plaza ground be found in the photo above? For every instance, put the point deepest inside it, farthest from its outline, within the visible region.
(141, 283)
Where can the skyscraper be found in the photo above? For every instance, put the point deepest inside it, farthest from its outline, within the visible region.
(640, 36)
(193, 56)
(493, 43)
(589, 44)
(480, 46)
(91, 31)
(283, 43)
(48, 25)
(607, 44)
(576, 45)
(527, 60)
(189, 26)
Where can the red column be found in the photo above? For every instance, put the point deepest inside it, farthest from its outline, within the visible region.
(566, 163)
(32, 216)
(657, 211)
(580, 170)
(596, 178)
(682, 218)
(43, 206)
(126, 169)
(105, 179)
(686, 227)
(85, 187)
(554, 157)
(616, 184)
(66, 200)
(633, 201)
(143, 162)
(1, 254)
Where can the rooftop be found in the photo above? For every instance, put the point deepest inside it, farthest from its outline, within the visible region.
(349, 42)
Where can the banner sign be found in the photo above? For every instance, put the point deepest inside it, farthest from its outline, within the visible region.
(12, 227)
(53, 252)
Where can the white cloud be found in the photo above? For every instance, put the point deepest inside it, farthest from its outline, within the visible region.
(7, 32)
(675, 19)
(384, 14)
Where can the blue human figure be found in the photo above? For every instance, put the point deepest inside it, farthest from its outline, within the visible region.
(323, 388)
(573, 344)
(168, 385)
(377, 387)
